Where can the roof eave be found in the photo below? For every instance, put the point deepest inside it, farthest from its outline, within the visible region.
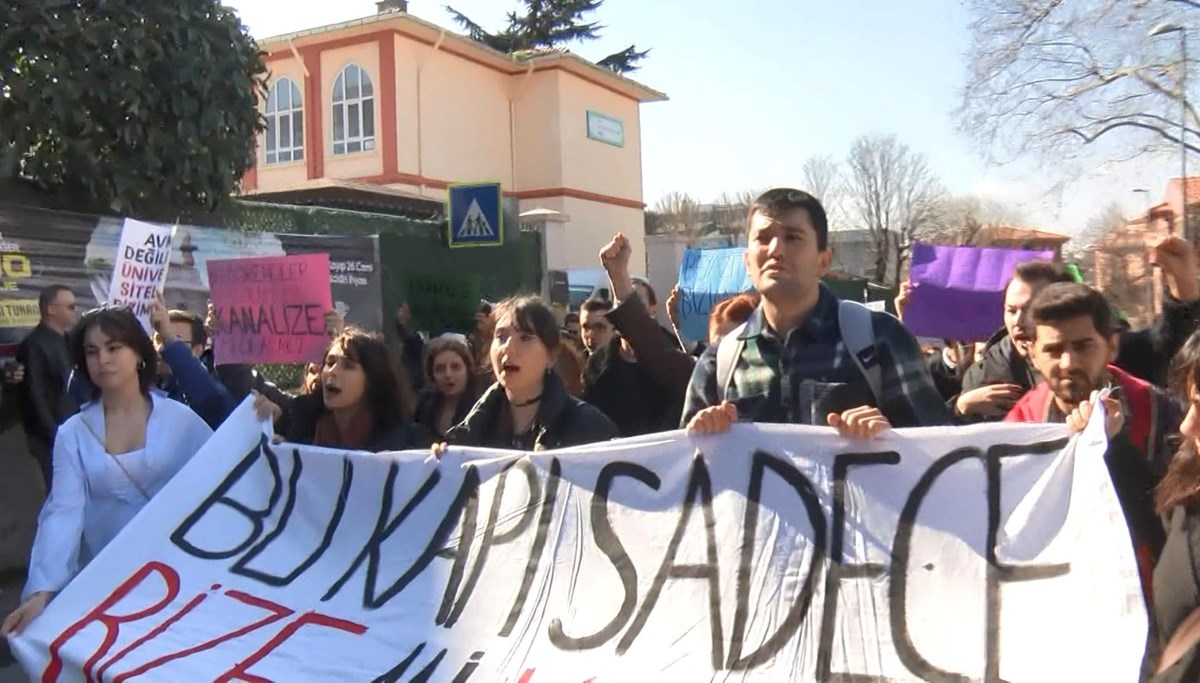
(623, 83)
(478, 50)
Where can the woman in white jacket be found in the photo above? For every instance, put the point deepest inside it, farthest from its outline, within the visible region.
(110, 459)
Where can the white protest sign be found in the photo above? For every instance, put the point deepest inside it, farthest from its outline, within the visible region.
(778, 553)
(140, 269)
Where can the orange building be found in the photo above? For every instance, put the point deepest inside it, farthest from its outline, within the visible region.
(399, 107)
(1122, 263)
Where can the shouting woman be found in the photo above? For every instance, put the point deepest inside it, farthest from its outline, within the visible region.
(528, 408)
(361, 401)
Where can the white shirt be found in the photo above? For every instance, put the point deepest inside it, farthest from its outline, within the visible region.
(93, 498)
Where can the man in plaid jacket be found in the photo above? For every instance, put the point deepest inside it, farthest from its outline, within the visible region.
(793, 365)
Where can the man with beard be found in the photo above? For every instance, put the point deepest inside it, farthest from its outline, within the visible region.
(1003, 372)
(1074, 343)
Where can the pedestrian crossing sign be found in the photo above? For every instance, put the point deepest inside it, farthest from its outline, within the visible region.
(474, 216)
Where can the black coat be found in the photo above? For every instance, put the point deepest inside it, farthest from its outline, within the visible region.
(562, 420)
(1177, 589)
(948, 380)
(429, 404)
(304, 412)
(1000, 364)
(628, 394)
(45, 402)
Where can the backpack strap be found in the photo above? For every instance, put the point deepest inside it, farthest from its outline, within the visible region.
(1143, 409)
(858, 334)
(729, 349)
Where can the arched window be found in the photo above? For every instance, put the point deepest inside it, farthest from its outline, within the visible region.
(353, 111)
(285, 123)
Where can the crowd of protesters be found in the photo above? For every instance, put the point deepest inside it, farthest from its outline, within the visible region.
(96, 395)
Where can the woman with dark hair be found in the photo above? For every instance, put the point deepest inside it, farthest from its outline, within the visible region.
(450, 372)
(480, 342)
(1177, 499)
(362, 400)
(110, 459)
(528, 408)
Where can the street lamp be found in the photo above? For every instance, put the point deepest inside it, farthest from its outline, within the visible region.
(1151, 289)
(1162, 30)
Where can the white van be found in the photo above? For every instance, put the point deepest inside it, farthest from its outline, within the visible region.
(586, 283)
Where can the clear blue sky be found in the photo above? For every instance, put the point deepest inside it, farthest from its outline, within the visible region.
(757, 86)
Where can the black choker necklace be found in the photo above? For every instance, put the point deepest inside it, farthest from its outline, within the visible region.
(530, 402)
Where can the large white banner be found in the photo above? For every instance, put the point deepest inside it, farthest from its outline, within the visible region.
(772, 553)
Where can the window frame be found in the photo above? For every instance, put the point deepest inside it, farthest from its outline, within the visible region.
(352, 112)
(274, 152)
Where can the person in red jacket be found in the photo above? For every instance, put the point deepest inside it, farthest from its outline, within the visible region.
(1074, 344)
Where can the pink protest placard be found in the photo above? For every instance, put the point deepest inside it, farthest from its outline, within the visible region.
(270, 309)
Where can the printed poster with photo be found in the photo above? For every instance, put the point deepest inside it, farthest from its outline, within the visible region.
(40, 248)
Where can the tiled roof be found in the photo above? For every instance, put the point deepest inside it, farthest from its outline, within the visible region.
(1193, 187)
(1006, 233)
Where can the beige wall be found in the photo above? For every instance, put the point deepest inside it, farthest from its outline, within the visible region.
(590, 164)
(664, 254)
(464, 120)
(591, 226)
(538, 136)
(411, 58)
(359, 164)
(453, 124)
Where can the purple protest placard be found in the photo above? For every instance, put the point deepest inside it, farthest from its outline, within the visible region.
(958, 292)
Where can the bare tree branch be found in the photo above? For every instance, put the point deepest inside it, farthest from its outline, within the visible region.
(821, 176)
(1157, 130)
(894, 196)
(823, 179)
(1043, 74)
(678, 212)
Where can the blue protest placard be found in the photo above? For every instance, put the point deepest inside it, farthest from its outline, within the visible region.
(706, 277)
(473, 215)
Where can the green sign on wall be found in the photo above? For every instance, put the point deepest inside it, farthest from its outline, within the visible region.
(605, 129)
(440, 301)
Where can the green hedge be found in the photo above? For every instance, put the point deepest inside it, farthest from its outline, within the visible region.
(287, 377)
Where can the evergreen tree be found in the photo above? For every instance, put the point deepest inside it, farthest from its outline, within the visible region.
(550, 24)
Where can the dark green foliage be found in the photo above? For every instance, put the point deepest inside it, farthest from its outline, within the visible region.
(139, 107)
(550, 24)
(624, 61)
